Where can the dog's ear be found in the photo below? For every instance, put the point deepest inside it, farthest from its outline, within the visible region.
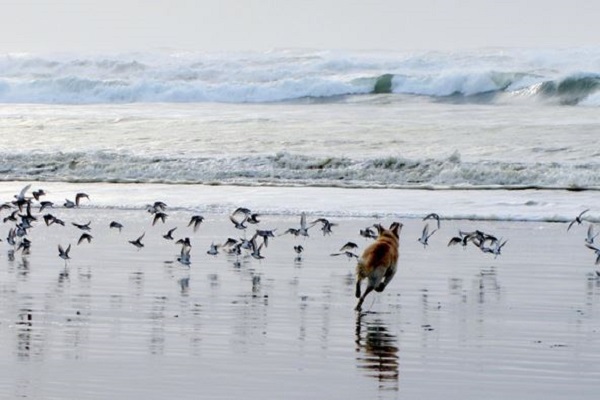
(395, 228)
(379, 228)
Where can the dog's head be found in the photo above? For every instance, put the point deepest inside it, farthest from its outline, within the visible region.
(393, 231)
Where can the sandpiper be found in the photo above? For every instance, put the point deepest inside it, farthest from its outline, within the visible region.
(85, 236)
(116, 225)
(433, 216)
(138, 242)
(83, 227)
(169, 234)
(64, 254)
(425, 235)
(578, 219)
(196, 220)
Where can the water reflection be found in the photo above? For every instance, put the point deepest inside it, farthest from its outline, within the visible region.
(377, 351)
(24, 268)
(24, 333)
(485, 287)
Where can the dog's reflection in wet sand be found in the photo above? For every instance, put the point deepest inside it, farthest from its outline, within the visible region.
(377, 351)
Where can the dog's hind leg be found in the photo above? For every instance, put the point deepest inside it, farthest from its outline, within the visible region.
(389, 274)
(357, 292)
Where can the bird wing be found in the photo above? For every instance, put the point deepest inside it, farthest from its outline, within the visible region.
(21, 195)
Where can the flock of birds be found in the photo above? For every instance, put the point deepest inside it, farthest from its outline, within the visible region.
(21, 214)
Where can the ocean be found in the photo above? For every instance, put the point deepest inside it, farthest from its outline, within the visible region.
(488, 119)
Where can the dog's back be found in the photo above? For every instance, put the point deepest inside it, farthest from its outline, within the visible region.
(378, 262)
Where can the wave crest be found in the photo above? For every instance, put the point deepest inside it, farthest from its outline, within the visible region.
(286, 169)
(288, 76)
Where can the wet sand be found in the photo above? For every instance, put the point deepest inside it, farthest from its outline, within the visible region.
(121, 323)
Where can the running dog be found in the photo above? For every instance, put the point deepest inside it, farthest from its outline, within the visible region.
(378, 262)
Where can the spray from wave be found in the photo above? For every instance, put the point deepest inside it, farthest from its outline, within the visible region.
(567, 77)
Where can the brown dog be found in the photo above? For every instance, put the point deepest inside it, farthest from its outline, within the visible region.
(378, 262)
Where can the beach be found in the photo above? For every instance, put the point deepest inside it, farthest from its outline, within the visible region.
(502, 141)
(118, 322)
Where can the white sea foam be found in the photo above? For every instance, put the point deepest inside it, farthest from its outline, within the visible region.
(286, 169)
(284, 75)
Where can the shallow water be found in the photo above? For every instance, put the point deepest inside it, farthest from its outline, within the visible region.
(458, 324)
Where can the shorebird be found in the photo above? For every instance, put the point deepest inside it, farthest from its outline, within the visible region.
(80, 196)
(265, 234)
(292, 231)
(45, 204)
(256, 250)
(346, 253)
(253, 218)
(158, 206)
(184, 256)
(49, 219)
(590, 235)
(234, 247)
(578, 219)
(326, 225)
(169, 234)
(213, 250)
(25, 245)
(433, 216)
(116, 225)
(64, 254)
(185, 242)
(349, 246)
(12, 236)
(368, 233)
(303, 228)
(238, 224)
(242, 210)
(462, 239)
(229, 242)
(425, 235)
(159, 216)
(496, 249)
(83, 227)
(138, 242)
(12, 217)
(38, 193)
(247, 244)
(299, 250)
(196, 220)
(85, 236)
(249, 216)
(596, 251)
(20, 199)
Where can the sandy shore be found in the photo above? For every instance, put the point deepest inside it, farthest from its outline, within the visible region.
(118, 322)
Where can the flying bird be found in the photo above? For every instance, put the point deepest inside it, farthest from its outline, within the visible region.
(64, 254)
(116, 225)
(85, 236)
(196, 220)
(578, 219)
(138, 242)
(425, 235)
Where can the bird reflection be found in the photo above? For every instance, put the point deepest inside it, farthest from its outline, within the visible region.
(377, 352)
(24, 333)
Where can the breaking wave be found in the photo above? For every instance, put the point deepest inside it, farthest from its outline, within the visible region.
(286, 169)
(566, 77)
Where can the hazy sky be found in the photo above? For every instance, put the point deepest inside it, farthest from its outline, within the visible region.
(212, 25)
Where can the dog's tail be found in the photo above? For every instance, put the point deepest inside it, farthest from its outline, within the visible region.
(362, 269)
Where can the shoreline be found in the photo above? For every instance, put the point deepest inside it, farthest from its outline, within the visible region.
(497, 205)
